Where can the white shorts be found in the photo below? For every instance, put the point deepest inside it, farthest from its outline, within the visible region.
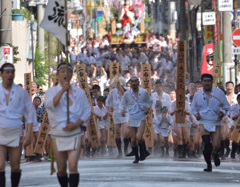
(134, 122)
(101, 124)
(118, 119)
(68, 143)
(10, 137)
(164, 132)
(193, 131)
(156, 129)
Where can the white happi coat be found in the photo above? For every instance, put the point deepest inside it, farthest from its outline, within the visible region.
(80, 109)
(11, 125)
(209, 114)
(136, 106)
(114, 100)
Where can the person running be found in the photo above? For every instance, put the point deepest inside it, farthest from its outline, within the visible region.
(14, 103)
(101, 114)
(113, 100)
(209, 106)
(66, 137)
(137, 102)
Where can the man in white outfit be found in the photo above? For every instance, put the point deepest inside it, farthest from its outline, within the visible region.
(209, 106)
(66, 136)
(14, 104)
(137, 102)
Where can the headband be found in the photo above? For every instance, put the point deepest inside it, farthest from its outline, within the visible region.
(206, 78)
(61, 67)
(8, 68)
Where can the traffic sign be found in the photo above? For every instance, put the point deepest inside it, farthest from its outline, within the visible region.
(209, 18)
(225, 5)
(236, 50)
(236, 37)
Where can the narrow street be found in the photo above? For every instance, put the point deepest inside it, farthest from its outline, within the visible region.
(153, 172)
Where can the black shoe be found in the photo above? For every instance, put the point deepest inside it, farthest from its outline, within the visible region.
(143, 151)
(221, 153)
(217, 161)
(162, 151)
(2, 179)
(15, 178)
(193, 154)
(74, 180)
(227, 143)
(119, 147)
(135, 150)
(126, 143)
(234, 149)
(184, 153)
(208, 169)
(180, 151)
(63, 181)
(88, 152)
(175, 153)
(167, 151)
(131, 153)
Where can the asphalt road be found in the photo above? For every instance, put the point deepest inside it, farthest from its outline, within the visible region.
(153, 172)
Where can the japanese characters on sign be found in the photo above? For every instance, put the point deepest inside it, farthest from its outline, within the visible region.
(114, 71)
(113, 25)
(207, 64)
(43, 134)
(27, 83)
(92, 127)
(209, 18)
(146, 84)
(225, 5)
(58, 15)
(181, 81)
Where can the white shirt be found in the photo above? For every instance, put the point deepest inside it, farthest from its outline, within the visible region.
(114, 100)
(164, 124)
(81, 56)
(143, 59)
(209, 114)
(130, 35)
(135, 106)
(20, 104)
(187, 108)
(89, 60)
(235, 112)
(125, 62)
(165, 100)
(101, 112)
(80, 108)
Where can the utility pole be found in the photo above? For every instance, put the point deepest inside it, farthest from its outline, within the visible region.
(49, 58)
(172, 21)
(235, 6)
(33, 65)
(182, 20)
(85, 18)
(6, 23)
(40, 30)
(227, 47)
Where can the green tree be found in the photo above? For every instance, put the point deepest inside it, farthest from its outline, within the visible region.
(41, 69)
(15, 53)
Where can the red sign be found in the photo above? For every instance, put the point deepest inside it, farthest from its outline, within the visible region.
(236, 37)
(207, 64)
(6, 51)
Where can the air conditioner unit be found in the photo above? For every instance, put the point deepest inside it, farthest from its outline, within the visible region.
(15, 4)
